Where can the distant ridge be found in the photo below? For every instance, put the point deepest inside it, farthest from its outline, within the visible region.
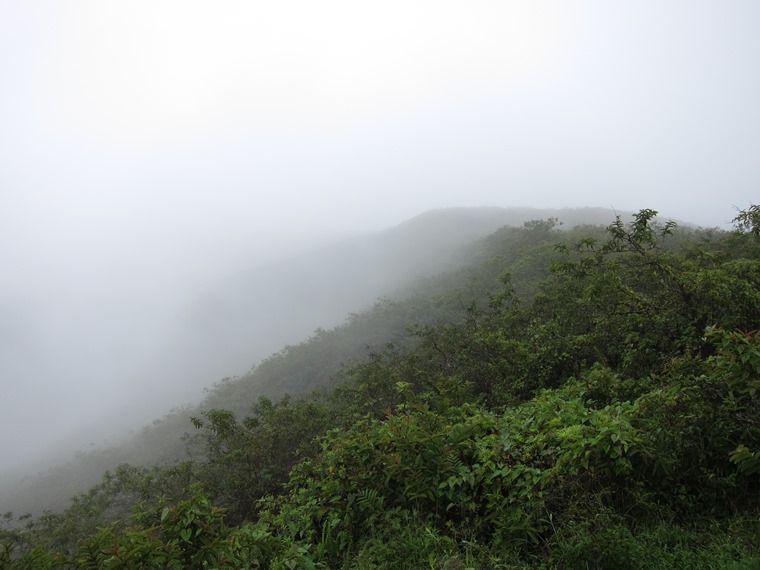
(245, 318)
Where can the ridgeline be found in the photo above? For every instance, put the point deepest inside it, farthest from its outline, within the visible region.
(561, 398)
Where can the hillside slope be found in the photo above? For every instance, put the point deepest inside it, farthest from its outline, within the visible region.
(251, 316)
(247, 317)
(580, 399)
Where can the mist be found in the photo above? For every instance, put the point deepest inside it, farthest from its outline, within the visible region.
(150, 151)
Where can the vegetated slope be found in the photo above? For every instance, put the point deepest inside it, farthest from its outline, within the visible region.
(600, 412)
(257, 312)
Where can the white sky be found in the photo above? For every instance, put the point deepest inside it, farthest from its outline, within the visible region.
(149, 147)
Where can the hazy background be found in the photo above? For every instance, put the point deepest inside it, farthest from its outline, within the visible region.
(148, 149)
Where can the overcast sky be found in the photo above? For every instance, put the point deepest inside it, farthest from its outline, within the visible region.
(149, 147)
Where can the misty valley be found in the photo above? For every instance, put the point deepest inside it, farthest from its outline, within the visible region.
(472, 388)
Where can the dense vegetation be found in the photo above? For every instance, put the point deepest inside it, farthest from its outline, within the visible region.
(239, 321)
(580, 399)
